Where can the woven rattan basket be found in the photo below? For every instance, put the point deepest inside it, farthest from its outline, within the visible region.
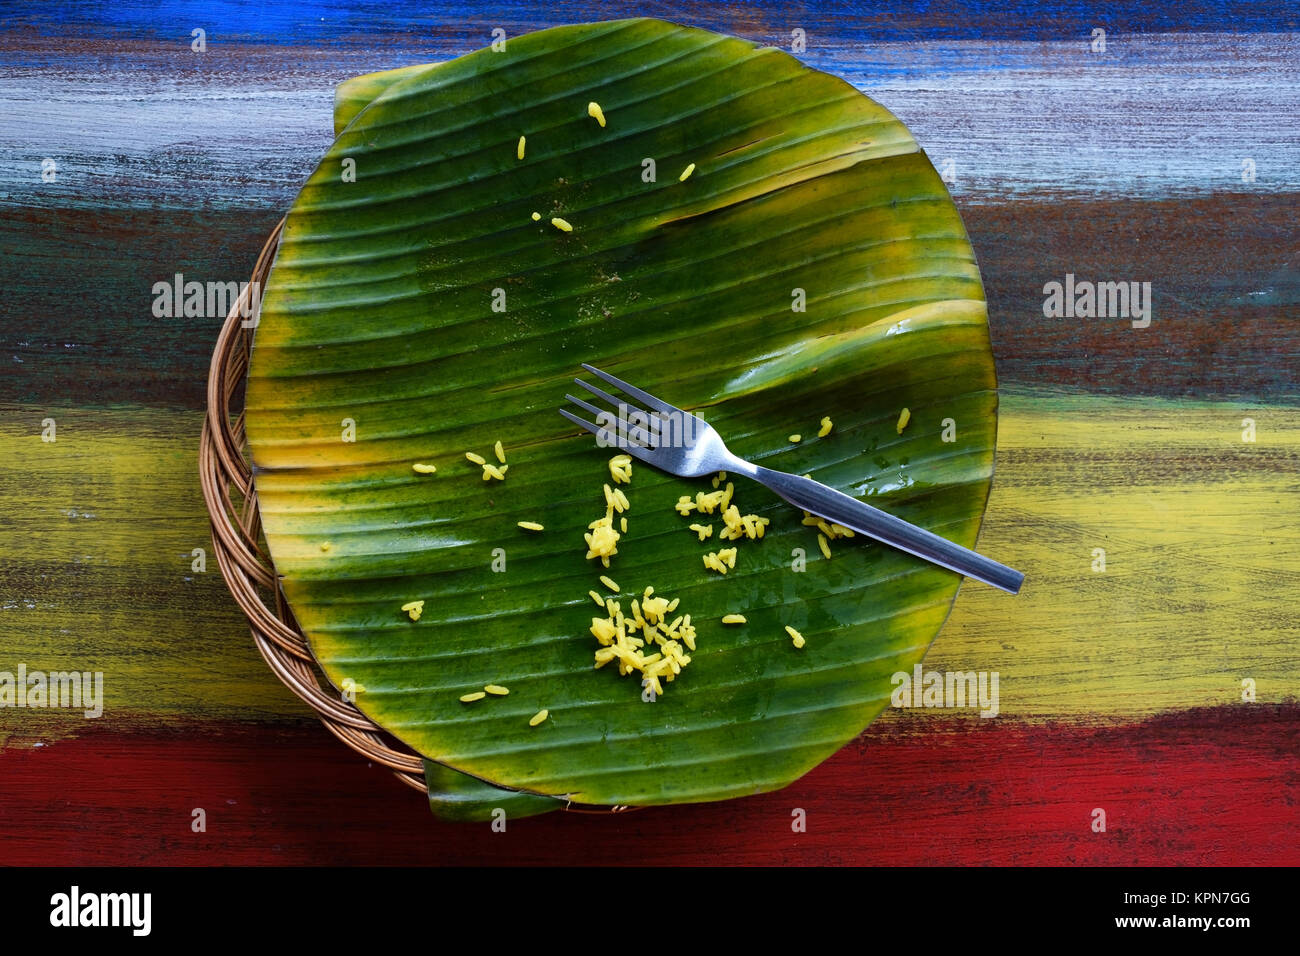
(227, 480)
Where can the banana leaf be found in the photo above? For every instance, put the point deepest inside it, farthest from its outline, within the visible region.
(458, 797)
(453, 796)
(354, 95)
(812, 265)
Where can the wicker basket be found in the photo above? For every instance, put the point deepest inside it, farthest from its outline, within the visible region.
(245, 564)
(227, 481)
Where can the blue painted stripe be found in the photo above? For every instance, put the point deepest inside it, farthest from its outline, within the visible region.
(361, 23)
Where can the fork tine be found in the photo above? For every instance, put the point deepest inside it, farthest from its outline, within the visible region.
(587, 406)
(583, 423)
(645, 397)
(609, 399)
(620, 441)
(641, 436)
(650, 432)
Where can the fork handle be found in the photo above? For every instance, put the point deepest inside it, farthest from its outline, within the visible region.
(818, 499)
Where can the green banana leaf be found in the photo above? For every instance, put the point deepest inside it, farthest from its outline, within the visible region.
(453, 796)
(354, 95)
(813, 265)
(458, 797)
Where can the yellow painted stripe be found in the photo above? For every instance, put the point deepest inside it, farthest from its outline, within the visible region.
(1200, 529)
(1201, 533)
(97, 531)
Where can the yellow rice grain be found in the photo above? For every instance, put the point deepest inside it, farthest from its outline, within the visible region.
(470, 698)
(620, 469)
(476, 459)
(600, 601)
(734, 619)
(603, 630)
(496, 690)
(703, 530)
(825, 430)
(602, 541)
(686, 173)
(622, 523)
(538, 717)
(610, 583)
(795, 636)
(531, 526)
(492, 471)
(821, 543)
(657, 653)
(721, 560)
(325, 545)
(903, 418)
(561, 224)
(708, 502)
(795, 439)
(537, 216)
(500, 451)
(595, 112)
(519, 150)
(421, 468)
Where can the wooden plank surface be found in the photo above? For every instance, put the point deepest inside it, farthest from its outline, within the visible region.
(1120, 690)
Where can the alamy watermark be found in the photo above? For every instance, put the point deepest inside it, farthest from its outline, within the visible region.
(206, 300)
(72, 690)
(951, 689)
(649, 430)
(1085, 299)
(76, 908)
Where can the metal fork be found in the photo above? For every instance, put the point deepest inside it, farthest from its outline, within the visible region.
(684, 444)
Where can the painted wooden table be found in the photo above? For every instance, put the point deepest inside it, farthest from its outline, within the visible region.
(1147, 468)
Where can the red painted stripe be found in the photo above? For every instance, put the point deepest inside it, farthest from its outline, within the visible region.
(1218, 786)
